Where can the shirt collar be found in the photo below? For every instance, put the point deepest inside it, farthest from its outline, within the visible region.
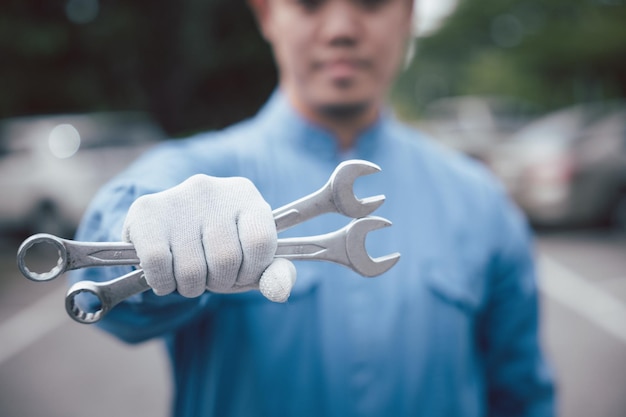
(288, 125)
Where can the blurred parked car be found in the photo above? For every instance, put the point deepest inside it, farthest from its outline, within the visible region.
(569, 167)
(51, 166)
(474, 124)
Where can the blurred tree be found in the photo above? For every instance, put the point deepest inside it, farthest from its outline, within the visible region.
(197, 64)
(550, 52)
(193, 64)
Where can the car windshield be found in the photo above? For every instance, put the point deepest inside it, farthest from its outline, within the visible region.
(563, 126)
(24, 134)
(12, 133)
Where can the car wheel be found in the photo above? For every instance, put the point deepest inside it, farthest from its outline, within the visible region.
(47, 219)
(618, 216)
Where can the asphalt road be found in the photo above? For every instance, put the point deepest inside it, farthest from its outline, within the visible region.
(51, 366)
(583, 282)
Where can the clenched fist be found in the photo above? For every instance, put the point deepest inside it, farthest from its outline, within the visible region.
(208, 233)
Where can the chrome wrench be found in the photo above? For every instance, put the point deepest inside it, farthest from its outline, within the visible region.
(337, 196)
(345, 246)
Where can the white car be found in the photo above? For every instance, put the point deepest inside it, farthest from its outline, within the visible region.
(51, 166)
(568, 168)
(474, 124)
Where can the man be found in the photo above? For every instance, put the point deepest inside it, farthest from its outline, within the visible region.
(451, 330)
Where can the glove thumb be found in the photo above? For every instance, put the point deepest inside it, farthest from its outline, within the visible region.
(278, 280)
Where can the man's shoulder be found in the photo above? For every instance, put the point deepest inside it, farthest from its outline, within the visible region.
(459, 186)
(227, 136)
(219, 146)
(440, 161)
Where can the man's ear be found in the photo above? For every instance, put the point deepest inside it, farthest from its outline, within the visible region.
(260, 11)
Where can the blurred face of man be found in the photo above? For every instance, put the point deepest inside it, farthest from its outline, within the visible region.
(336, 58)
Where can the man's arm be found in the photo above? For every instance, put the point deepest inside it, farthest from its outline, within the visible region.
(518, 376)
(192, 232)
(145, 315)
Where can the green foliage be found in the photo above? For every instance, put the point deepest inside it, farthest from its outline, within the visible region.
(198, 64)
(550, 52)
(193, 64)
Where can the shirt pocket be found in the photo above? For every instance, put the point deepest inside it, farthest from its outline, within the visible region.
(461, 287)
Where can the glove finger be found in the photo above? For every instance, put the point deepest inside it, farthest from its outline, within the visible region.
(257, 234)
(278, 280)
(156, 261)
(152, 247)
(189, 266)
(223, 257)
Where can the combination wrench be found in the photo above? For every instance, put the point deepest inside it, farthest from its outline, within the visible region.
(345, 246)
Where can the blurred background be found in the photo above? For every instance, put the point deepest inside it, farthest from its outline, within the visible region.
(533, 89)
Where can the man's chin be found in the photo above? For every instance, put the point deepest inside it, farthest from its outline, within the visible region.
(344, 110)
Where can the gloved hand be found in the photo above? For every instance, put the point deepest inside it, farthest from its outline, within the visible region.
(208, 233)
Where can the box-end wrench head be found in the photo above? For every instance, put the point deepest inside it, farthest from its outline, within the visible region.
(75, 255)
(107, 295)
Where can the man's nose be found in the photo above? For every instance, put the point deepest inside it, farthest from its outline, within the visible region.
(341, 23)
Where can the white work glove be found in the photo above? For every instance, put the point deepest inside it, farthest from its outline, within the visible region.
(208, 233)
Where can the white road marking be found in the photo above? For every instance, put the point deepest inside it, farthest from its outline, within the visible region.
(600, 307)
(32, 323)
(557, 282)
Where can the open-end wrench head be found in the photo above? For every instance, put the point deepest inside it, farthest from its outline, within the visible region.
(342, 186)
(360, 260)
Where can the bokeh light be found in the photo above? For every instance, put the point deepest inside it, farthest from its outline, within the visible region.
(82, 11)
(64, 141)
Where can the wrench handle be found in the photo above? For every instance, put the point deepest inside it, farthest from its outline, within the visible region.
(108, 295)
(303, 209)
(328, 247)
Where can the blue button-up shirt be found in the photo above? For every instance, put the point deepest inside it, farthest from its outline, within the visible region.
(451, 330)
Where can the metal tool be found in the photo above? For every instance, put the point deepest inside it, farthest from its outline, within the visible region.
(345, 246)
(336, 196)
(75, 255)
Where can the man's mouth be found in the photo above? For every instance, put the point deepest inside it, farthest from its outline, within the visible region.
(342, 68)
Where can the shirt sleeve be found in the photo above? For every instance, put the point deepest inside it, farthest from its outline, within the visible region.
(519, 380)
(145, 315)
